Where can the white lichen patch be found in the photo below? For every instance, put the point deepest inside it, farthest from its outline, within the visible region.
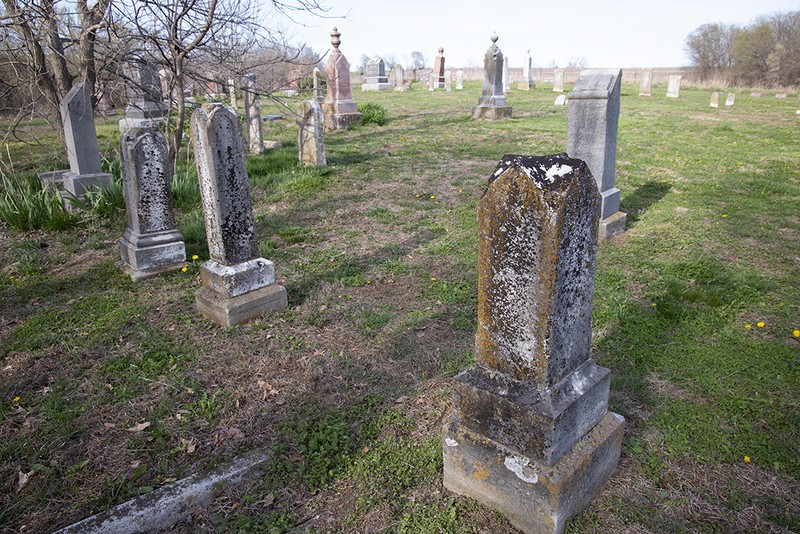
(557, 171)
(519, 466)
(450, 442)
(579, 383)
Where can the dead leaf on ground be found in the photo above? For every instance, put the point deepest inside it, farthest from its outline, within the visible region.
(23, 479)
(139, 427)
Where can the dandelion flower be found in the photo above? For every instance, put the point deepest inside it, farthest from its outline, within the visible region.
(16, 399)
(653, 304)
(663, 181)
(433, 196)
(748, 327)
(747, 459)
(724, 215)
(460, 190)
(433, 279)
(760, 324)
(184, 269)
(436, 202)
(796, 333)
(195, 257)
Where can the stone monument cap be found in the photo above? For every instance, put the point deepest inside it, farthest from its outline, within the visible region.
(335, 41)
(595, 84)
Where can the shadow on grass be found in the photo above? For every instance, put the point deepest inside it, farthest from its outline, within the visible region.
(645, 196)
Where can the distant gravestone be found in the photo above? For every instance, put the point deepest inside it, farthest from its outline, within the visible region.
(506, 81)
(492, 102)
(781, 95)
(448, 81)
(80, 137)
(317, 89)
(151, 245)
(530, 434)
(714, 100)
(232, 92)
(238, 285)
(146, 109)
(431, 82)
(674, 86)
(252, 114)
(459, 80)
(375, 74)
(399, 76)
(558, 80)
(527, 75)
(592, 121)
(561, 100)
(730, 100)
(438, 70)
(339, 109)
(646, 82)
(756, 94)
(311, 134)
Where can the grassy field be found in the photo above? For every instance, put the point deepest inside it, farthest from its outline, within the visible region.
(110, 389)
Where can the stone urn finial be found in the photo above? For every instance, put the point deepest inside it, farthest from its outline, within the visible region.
(441, 50)
(493, 37)
(335, 41)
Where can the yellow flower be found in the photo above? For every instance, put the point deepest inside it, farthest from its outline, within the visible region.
(663, 181)
(747, 459)
(653, 304)
(433, 196)
(16, 399)
(760, 324)
(739, 163)
(724, 215)
(184, 269)
(433, 279)
(748, 327)
(417, 196)
(436, 202)
(796, 333)
(195, 257)
(460, 190)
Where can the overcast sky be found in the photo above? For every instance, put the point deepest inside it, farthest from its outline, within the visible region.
(607, 33)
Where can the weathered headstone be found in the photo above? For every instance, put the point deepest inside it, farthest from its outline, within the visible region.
(80, 136)
(506, 81)
(151, 245)
(438, 70)
(238, 285)
(431, 82)
(252, 114)
(646, 82)
(311, 134)
(527, 82)
(376, 78)
(232, 92)
(459, 80)
(781, 95)
(561, 100)
(714, 100)
(530, 434)
(146, 109)
(730, 100)
(674, 86)
(558, 80)
(399, 75)
(448, 81)
(317, 88)
(592, 120)
(756, 94)
(492, 102)
(339, 108)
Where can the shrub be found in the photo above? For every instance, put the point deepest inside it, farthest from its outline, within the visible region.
(372, 113)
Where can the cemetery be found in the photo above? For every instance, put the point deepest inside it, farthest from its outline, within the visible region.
(427, 306)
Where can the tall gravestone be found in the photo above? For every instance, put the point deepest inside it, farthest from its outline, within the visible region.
(438, 70)
(232, 92)
(252, 114)
(646, 82)
(448, 81)
(530, 434)
(492, 102)
(146, 110)
(375, 76)
(339, 109)
(238, 285)
(558, 80)
(506, 80)
(592, 119)
(311, 134)
(714, 100)
(80, 137)
(317, 88)
(674, 86)
(399, 75)
(459, 80)
(527, 82)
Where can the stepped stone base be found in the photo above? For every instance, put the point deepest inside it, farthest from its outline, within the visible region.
(491, 112)
(151, 255)
(611, 226)
(240, 309)
(535, 498)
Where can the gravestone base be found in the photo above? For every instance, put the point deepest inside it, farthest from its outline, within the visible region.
(376, 86)
(491, 112)
(340, 121)
(149, 255)
(53, 179)
(75, 186)
(231, 311)
(611, 226)
(523, 86)
(535, 498)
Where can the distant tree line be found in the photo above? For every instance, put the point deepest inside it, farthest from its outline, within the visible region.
(764, 53)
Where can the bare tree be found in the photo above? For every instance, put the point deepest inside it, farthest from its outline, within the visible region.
(709, 48)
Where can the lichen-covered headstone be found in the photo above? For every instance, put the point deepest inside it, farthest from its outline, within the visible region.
(238, 285)
(339, 108)
(558, 80)
(492, 102)
(674, 86)
(252, 113)
(646, 82)
(531, 434)
(151, 245)
(592, 120)
(311, 134)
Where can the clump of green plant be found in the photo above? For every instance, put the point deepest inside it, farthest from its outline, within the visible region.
(372, 113)
(26, 205)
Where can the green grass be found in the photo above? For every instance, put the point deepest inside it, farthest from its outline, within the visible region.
(349, 387)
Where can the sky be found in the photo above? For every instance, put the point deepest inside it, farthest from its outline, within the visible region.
(606, 33)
